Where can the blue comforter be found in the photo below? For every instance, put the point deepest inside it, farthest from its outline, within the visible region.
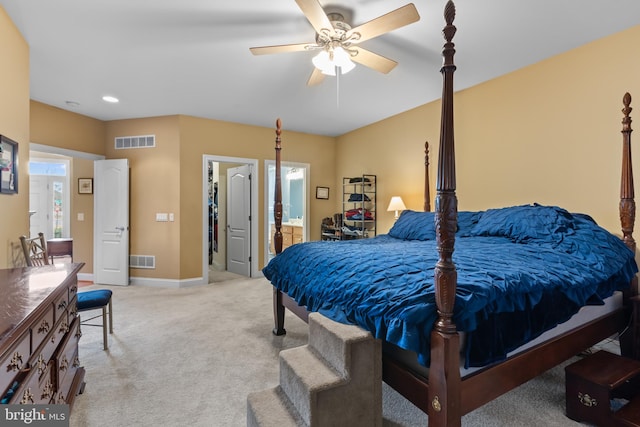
(521, 271)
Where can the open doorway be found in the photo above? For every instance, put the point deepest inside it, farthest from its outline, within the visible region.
(225, 217)
(49, 195)
(295, 204)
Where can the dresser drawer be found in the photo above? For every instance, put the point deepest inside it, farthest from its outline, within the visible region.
(61, 305)
(73, 290)
(66, 376)
(286, 240)
(286, 229)
(45, 352)
(35, 389)
(297, 232)
(13, 361)
(67, 355)
(41, 328)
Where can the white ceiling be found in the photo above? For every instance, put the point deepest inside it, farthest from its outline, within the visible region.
(164, 57)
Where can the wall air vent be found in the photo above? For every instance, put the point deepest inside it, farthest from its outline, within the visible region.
(140, 141)
(142, 261)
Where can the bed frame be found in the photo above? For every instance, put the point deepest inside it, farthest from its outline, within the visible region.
(445, 396)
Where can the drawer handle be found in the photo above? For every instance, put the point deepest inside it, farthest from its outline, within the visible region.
(42, 365)
(47, 391)
(74, 312)
(587, 400)
(44, 327)
(64, 328)
(16, 362)
(27, 397)
(73, 289)
(64, 363)
(62, 305)
(76, 362)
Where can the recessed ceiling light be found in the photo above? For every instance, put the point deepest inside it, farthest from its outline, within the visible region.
(112, 99)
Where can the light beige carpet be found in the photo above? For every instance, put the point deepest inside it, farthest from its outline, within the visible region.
(190, 357)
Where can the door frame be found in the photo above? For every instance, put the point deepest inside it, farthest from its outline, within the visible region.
(33, 146)
(206, 158)
(49, 231)
(268, 204)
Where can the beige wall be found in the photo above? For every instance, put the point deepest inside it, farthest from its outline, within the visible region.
(155, 188)
(548, 133)
(201, 136)
(14, 124)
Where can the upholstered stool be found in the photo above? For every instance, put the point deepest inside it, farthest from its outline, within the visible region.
(95, 300)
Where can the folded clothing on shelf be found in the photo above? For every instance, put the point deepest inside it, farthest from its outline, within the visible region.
(358, 197)
(358, 215)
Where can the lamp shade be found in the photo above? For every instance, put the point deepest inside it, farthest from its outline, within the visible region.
(396, 204)
(327, 61)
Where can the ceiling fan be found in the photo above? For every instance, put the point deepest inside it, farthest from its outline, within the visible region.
(338, 42)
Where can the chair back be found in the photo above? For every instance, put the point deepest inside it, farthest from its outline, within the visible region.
(35, 250)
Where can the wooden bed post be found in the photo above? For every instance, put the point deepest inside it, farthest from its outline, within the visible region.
(278, 306)
(427, 190)
(627, 202)
(444, 371)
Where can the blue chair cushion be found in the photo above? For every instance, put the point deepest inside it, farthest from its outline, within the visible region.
(93, 299)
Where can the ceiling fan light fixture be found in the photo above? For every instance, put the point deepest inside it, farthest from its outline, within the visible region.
(327, 61)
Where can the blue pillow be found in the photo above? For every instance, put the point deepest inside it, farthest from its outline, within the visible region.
(526, 222)
(414, 225)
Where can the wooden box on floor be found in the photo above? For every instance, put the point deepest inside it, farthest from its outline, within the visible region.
(594, 382)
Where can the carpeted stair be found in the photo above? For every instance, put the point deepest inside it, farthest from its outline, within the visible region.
(334, 380)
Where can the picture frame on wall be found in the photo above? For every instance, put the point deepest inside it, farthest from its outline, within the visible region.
(85, 185)
(8, 165)
(322, 193)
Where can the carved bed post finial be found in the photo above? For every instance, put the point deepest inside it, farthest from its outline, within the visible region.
(627, 202)
(427, 189)
(277, 206)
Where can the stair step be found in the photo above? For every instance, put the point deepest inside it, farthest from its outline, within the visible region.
(303, 374)
(332, 340)
(629, 414)
(271, 408)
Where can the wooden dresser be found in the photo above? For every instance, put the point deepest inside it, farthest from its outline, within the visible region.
(39, 333)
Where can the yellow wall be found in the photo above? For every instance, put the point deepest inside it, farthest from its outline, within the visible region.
(201, 136)
(14, 124)
(155, 188)
(59, 128)
(548, 133)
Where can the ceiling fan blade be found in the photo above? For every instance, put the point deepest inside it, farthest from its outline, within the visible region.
(373, 60)
(316, 77)
(266, 50)
(398, 18)
(315, 14)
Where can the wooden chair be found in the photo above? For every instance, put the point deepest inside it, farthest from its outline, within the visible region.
(35, 250)
(35, 253)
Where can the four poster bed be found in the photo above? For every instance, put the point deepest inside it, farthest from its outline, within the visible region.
(555, 279)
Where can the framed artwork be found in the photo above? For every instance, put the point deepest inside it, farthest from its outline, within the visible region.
(85, 185)
(8, 165)
(322, 192)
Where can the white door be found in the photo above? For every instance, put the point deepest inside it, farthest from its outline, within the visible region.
(239, 220)
(40, 206)
(111, 222)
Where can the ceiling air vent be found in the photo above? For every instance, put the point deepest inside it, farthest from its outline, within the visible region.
(140, 141)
